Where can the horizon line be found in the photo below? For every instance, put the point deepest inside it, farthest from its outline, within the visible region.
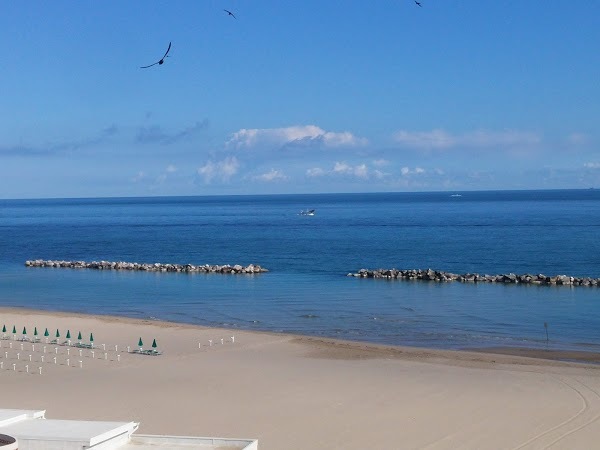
(300, 194)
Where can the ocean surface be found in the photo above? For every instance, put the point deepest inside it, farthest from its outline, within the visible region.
(307, 290)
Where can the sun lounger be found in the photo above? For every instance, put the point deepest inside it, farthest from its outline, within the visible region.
(82, 345)
(147, 352)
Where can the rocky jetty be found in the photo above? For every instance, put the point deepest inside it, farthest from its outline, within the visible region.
(148, 267)
(440, 276)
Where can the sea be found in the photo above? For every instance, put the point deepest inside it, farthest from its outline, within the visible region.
(307, 290)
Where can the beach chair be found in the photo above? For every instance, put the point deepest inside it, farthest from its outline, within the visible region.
(35, 339)
(55, 340)
(151, 352)
(84, 345)
(24, 337)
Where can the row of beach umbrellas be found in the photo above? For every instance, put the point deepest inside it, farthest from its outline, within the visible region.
(46, 333)
(67, 336)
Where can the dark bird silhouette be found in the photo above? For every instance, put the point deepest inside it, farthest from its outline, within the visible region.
(230, 13)
(418, 4)
(161, 61)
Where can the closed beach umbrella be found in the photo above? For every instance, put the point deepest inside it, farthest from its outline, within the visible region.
(46, 333)
(154, 343)
(35, 331)
(57, 333)
(79, 336)
(24, 331)
(91, 337)
(4, 328)
(140, 343)
(68, 334)
(14, 329)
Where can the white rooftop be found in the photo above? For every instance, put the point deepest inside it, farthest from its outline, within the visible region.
(77, 433)
(34, 432)
(8, 416)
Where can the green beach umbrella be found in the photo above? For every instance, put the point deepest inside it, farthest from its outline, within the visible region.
(140, 343)
(91, 337)
(68, 334)
(14, 329)
(79, 336)
(4, 328)
(24, 330)
(154, 343)
(35, 331)
(46, 333)
(57, 333)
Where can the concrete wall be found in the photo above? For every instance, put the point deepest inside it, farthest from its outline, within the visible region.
(242, 444)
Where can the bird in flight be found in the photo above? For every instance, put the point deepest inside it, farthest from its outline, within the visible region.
(230, 13)
(418, 4)
(161, 61)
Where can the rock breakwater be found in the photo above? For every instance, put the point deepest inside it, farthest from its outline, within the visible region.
(440, 276)
(148, 267)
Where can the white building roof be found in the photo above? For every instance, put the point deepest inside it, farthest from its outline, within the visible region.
(8, 416)
(76, 434)
(33, 431)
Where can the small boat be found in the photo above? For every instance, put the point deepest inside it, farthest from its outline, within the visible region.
(456, 195)
(308, 212)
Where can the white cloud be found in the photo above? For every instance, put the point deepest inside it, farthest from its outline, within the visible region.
(359, 171)
(220, 170)
(440, 140)
(272, 175)
(408, 171)
(138, 177)
(381, 162)
(592, 165)
(315, 172)
(246, 138)
(379, 174)
(342, 167)
(171, 168)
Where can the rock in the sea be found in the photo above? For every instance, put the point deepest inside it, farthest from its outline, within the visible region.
(436, 275)
(148, 267)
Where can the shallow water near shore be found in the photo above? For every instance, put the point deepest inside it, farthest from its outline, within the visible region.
(306, 290)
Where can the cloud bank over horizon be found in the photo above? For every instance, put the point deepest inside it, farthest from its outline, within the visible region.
(297, 134)
(253, 159)
(438, 139)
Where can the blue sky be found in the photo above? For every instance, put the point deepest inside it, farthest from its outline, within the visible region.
(297, 97)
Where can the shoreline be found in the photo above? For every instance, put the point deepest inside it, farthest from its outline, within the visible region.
(360, 349)
(297, 392)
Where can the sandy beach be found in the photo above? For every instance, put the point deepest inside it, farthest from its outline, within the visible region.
(294, 392)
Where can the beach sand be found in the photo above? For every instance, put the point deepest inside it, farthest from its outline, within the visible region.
(294, 392)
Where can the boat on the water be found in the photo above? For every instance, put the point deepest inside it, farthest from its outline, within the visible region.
(308, 212)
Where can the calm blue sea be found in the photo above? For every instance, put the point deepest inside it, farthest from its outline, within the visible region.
(306, 290)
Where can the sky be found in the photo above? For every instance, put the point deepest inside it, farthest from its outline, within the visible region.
(297, 96)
